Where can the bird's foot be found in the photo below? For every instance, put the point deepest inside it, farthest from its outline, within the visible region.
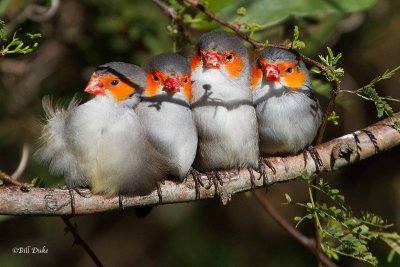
(215, 178)
(252, 178)
(263, 171)
(197, 181)
(315, 156)
(78, 190)
(159, 192)
(268, 163)
(71, 191)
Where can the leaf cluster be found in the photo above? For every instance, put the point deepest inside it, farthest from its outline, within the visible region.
(332, 72)
(296, 43)
(16, 45)
(341, 232)
(369, 92)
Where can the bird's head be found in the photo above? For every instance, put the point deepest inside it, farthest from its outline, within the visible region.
(280, 66)
(168, 74)
(118, 79)
(220, 50)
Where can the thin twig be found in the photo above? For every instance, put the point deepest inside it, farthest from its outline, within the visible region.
(171, 13)
(78, 240)
(34, 12)
(165, 8)
(304, 240)
(22, 163)
(8, 180)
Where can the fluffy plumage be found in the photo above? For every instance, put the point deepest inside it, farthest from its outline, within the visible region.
(101, 143)
(288, 113)
(165, 113)
(222, 104)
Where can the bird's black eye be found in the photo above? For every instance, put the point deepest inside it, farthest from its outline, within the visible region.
(259, 66)
(114, 82)
(185, 80)
(229, 57)
(155, 77)
(289, 70)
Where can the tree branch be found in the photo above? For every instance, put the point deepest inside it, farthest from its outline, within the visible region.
(335, 154)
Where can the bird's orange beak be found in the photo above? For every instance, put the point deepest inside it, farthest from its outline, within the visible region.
(272, 73)
(211, 59)
(171, 84)
(95, 86)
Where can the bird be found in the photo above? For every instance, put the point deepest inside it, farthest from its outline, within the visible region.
(165, 112)
(222, 105)
(288, 112)
(101, 143)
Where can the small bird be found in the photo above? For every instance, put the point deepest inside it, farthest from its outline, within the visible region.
(222, 105)
(288, 112)
(101, 143)
(165, 112)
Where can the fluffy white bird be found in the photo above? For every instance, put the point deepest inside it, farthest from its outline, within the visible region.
(222, 104)
(288, 112)
(101, 143)
(165, 113)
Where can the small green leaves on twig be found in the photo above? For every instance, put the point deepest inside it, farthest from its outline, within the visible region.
(16, 45)
(241, 11)
(396, 125)
(251, 28)
(333, 117)
(296, 43)
(368, 92)
(332, 73)
(340, 231)
(37, 182)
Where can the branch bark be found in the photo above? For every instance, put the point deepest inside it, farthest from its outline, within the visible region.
(335, 154)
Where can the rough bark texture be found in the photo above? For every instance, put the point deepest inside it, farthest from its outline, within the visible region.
(335, 154)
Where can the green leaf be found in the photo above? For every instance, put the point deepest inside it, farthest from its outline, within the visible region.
(271, 12)
(288, 198)
(334, 118)
(241, 11)
(37, 182)
(396, 125)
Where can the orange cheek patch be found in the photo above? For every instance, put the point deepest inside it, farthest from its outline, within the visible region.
(195, 61)
(187, 87)
(151, 85)
(235, 67)
(256, 75)
(295, 79)
(121, 91)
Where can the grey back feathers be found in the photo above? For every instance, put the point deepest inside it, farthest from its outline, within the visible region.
(168, 62)
(131, 73)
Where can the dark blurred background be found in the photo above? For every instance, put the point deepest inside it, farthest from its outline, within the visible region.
(83, 34)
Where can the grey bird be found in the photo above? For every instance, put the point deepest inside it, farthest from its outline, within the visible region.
(165, 112)
(222, 105)
(288, 112)
(101, 143)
